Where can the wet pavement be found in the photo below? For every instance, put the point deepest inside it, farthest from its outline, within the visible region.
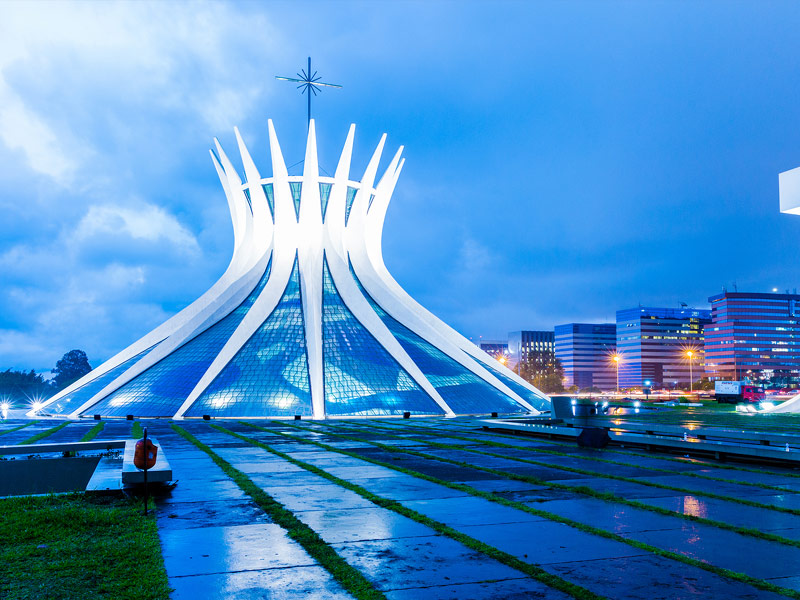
(217, 542)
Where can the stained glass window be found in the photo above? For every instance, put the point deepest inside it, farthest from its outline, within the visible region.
(249, 200)
(464, 392)
(351, 196)
(269, 375)
(297, 190)
(535, 400)
(324, 194)
(270, 198)
(162, 388)
(361, 377)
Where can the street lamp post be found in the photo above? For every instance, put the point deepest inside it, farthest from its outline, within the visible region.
(615, 358)
(689, 355)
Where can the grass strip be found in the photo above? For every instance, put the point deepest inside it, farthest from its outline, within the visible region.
(137, 432)
(577, 456)
(79, 547)
(730, 574)
(18, 427)
(348, 576)
(93, 432)
(510, 560)
(43, 434)
(614, 498)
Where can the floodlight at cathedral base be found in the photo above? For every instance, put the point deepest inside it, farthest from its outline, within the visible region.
(306, 321)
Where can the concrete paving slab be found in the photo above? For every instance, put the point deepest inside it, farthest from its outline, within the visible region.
(189, 515)
(653, 578)
(508, 589)
(296, 583)
(544, 542)
(337, 526)
(208, 550)
(317, 496)
(613, 517)
(469, 511)
(421, 562)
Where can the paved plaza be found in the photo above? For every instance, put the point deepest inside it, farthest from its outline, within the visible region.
(442, 509)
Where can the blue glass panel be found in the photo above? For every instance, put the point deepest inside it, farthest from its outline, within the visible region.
(464, 392)
(249, 200)
(269, 375)
(161, 389)
(297, 190)
(535, 400)
(371, 198)
(324, 194)
(361, 377)
(351, 196)
(84, 393)
(270, 198)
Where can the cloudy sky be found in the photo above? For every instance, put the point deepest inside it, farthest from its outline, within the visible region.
(564, 159)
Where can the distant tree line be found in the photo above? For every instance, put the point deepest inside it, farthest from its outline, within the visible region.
(22, 387)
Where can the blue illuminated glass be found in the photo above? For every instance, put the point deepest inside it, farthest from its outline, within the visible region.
(361, 377)
(371, 198)
(84, 393)
(324, 194)
(249, 200)
(351, 196)
(464, 392)
(269, 375)
(297, 190)
(162, 389)
(270, 198)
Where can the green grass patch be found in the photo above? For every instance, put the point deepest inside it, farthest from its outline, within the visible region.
(43, 434)
(529, 569)
(18, 427)
(137, 432)
(605, 496)
(734, 575)
(349, 577)
(93, 432)
(75, 547)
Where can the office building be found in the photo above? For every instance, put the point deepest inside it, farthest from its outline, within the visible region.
(653, 345)
(585, 351)
(754, 336)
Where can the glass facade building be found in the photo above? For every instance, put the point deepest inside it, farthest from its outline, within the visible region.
(585, 351)
(652, 345)
(754, 336)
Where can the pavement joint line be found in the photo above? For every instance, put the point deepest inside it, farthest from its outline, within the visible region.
(533, 571)
(18, 427)
(627, 452)
(350, 578)
(721, 571)
(586, 458)
(43, 434)
(753, 503)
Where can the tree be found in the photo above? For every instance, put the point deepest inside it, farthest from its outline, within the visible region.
(72, 366)
(20, 388)
(545, 373)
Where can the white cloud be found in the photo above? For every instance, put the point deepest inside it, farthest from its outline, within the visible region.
(147, 222)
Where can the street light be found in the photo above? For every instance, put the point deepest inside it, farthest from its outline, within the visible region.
(689, 355)
(616, 359)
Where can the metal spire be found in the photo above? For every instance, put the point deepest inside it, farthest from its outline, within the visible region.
(309, 83)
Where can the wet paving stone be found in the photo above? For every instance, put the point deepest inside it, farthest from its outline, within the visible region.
(206, 550)
(306, 583)
(653, 578)
(508, 589)
(190, 515)
(421, 562)
(362, 525)
(469, 511)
